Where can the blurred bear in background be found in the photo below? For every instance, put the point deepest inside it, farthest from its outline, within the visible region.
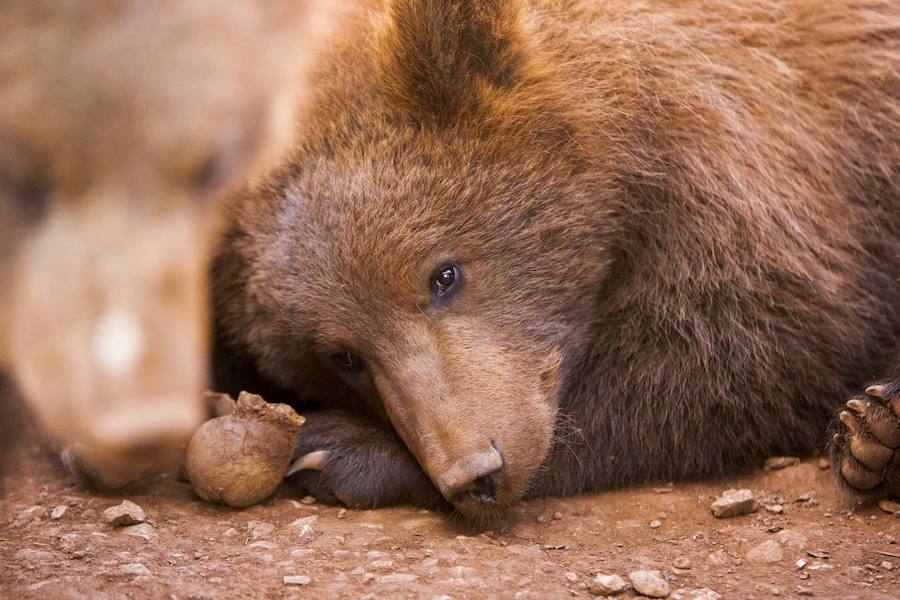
(123, 123)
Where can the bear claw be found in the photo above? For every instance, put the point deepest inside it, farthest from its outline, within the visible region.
(865, 447)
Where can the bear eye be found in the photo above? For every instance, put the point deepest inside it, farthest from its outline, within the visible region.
(445, 280)
(348, 363)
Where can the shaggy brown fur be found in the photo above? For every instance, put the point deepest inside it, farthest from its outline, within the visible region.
(122, 122)
(677, 226)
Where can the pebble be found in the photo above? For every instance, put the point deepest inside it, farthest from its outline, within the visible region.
(649, 583)
(542, 518)
(655, 524)
(800, 563)
(58, 512)
(557, 516)
(889, 506)
(136, 569)
(695, 594)
(573, 577)
(682, 563)
(308, 500)
(766, 552)
(887, 565)
(296, 580)
(791, 538)
(259, 529)
(718, 558)
(126, 513)
(342, 513)
(141, 530)
(775, 509)
(733, 503)
(824, 464)
(608, 585)
(776, 463)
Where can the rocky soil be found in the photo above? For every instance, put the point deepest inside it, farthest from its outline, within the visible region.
(802, 540)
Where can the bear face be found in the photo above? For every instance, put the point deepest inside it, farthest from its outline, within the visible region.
(440, 302)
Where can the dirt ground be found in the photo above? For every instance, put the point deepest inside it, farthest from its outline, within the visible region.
(543, 549)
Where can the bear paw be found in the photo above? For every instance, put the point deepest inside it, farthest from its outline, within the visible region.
(343, 458)
(865, 450)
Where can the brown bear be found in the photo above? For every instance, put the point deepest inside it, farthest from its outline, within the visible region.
(122, 124)
(551, 246)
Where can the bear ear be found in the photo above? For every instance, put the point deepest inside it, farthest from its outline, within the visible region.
(439, 59)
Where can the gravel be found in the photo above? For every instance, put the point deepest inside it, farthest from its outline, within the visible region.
(649, 583)
(733, 503)
(126, 513)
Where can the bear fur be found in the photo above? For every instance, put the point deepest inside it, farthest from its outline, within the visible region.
(677, 223)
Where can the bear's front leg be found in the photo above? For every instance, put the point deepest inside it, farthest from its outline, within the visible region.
(865, 448)
(345, 458)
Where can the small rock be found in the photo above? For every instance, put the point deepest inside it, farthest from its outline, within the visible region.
(776, 463)
(342, 513)
(655, 524)
(808, 497)
(818, 554)
(734, 502)
(58, 512)
(573, 577)
(775, 509)
(608, 585)
(126, 513)
(308, 500)
(557, 516)
(662, 490)
(141, 530)
(800, 563)
(695, 594)
(295, 580)
(135, 569)
(682, 563)
(887, 565)
(259, 529)
(767, 552)
(382, 564)
(649, 583)
(889, 506)
(542, 518)
(823, 463)
(791, 538)
(718, 558)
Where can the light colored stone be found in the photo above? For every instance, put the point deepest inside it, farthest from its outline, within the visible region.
(126, 513)
(766, 552)
(295, 580)
(791, 538)
(695, 594)
(136, 569)
(682, 563)
(573, 577)
(608, 585)
(649, 583)
(258, 530)
(733, 503)
(655, 524)
(141, 530)
(775, 509)
(58, 512)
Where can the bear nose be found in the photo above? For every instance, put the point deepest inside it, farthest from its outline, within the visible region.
(474, 477)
